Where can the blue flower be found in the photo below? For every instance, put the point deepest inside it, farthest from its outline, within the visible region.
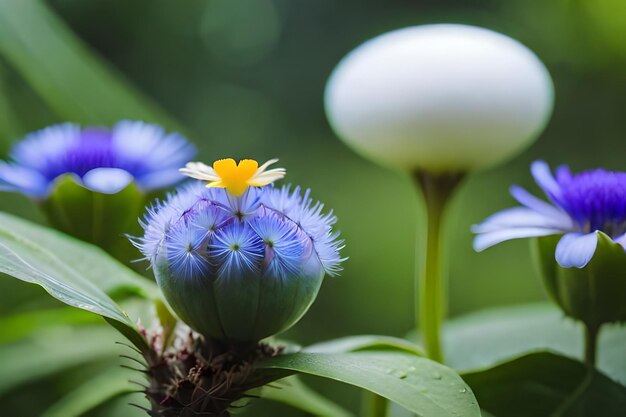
(102, 160)
(240, 268)
(580, 206)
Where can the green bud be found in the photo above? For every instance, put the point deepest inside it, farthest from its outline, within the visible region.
(594, 294)
(98, 218)
(246, 308)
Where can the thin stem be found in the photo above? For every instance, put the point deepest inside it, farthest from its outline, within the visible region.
(591, 344)
(374, 405)
(430, 310)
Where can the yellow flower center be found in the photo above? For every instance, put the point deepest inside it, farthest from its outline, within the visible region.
(234, 177)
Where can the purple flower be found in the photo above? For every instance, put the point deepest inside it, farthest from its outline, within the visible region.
(580, 206)
(102, 160)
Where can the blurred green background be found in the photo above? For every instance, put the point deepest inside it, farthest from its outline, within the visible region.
(245, 78)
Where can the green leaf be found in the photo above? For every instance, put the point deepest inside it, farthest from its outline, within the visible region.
(73, 81)
(71, 271)
(53, 350)
(18, 326)
(124, 406)
(595, 293)
(365, 342)
(293, 392)
(101, 219)
(491, 336)
(418, 384)
(94, 392)
(545, 384)
(88, 261)
(9, 125)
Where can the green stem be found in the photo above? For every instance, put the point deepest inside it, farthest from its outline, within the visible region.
(374, 405)
(591, 344)
(437, 191)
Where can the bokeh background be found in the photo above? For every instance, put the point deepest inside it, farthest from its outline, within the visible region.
(245, 78)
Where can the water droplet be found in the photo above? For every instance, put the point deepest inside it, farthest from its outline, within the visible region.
(463, 390)
(398, 373)
(412, 369)
(437, 375)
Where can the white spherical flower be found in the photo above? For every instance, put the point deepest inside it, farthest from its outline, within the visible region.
(440, 98)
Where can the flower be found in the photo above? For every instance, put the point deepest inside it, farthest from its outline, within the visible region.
(236, 178)
(99, 159)
(240, 268)
(581, 205)
(583, 227)
(439, 98)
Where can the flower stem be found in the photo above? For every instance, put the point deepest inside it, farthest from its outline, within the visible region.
(437, 190)
(374, 405)
(591, 344)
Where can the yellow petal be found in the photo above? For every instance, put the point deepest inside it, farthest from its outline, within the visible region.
(247, 168)
(237, 189)
(224, 167)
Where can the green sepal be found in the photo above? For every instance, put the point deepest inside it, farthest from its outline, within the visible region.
(101, 219)
(594, 294)
(239, 309)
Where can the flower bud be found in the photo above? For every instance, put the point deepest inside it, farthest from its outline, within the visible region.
(439, 98)
(594, 293)
(240, 268)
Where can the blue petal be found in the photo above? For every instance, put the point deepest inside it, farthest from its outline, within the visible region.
(540, 170)
(621, 240)
(107, 180)
(23, 180)
(523, 217)
(149, 146)
(576, 249)
(486, 240)
(160, 179)
(527, 199)
(238, 251)
(287, 244)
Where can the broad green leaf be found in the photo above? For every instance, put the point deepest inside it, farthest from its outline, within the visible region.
(94, 392)
(20, 325)
(67, 269)
(487, 337)
(89, 261)
(365, 342)
(293, 392)
(53, 350)
(29, 262)
(73, 81)
(101, 219)
(546, 385)
(424, 387)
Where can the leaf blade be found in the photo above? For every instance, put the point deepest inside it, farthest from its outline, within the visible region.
(365, 342)
(544, 384)
(475, 341)
(74, 82)
(92, 393)
(418, 384)
(74, 272)
(291, 391)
